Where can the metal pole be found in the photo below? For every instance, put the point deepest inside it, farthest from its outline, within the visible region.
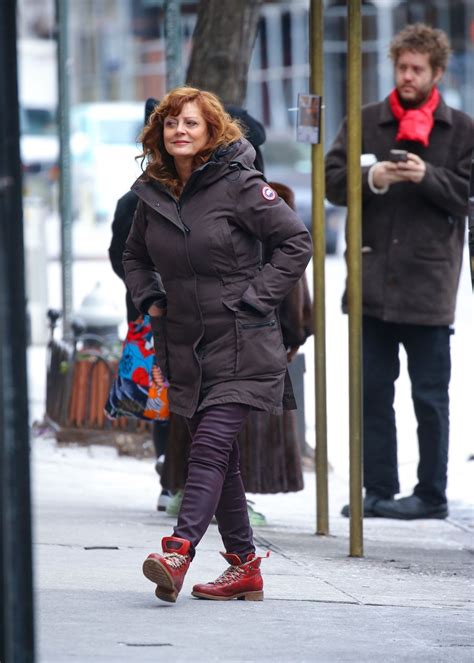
(319, 241)
(65, 208)
(354, 282)
(16, 612)
(174, 76)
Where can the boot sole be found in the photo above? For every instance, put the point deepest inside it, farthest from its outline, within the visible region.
(157, 573)
(400, 516)
(243, 596)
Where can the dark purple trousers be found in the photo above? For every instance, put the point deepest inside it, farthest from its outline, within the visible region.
(214, 485)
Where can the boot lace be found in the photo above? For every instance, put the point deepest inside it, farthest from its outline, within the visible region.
(174, 560)
(231, 574)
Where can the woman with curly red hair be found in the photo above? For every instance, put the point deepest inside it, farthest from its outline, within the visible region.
(193, 262)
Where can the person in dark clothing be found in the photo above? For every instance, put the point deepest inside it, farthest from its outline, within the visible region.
(253, 129)
(193, 262)
(413, 224)
(172, 436)
(121, 225)
(270, 449)
(123, 217)
(269, 445)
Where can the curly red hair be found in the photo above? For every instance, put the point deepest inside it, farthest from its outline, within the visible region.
(223, 131)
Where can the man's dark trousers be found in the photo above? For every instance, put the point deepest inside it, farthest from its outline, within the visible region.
(429, 368)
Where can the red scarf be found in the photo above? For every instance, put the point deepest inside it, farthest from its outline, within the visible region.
(415, 123)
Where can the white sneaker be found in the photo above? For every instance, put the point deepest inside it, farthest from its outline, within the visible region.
(164, 499)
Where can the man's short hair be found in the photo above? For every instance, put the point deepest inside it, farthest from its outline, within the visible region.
(423, 39)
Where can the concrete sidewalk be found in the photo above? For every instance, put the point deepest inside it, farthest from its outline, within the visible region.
(410, 599)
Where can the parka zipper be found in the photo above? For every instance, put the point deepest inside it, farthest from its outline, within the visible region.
(255, 325)
(178, 207)
(186, 233)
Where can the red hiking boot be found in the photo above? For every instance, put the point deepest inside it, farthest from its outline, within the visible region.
(168, 570)
(239, 581)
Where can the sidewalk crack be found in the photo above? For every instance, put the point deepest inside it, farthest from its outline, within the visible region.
(278, 551)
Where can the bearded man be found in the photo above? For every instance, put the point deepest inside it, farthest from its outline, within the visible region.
(415, 175)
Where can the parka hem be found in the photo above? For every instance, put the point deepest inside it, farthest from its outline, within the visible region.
(273, 409)
(406, 317)
(187, 413)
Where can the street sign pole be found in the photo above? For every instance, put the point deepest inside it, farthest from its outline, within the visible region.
(319, 243)
(354, 280)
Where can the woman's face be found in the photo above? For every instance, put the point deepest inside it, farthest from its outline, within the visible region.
(186, 134)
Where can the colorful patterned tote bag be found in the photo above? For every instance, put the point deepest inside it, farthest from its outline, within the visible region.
(135, 391)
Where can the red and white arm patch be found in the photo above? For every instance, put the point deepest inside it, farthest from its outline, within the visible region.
(267, 192)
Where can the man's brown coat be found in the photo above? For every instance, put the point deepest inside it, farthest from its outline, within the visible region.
(412, 236)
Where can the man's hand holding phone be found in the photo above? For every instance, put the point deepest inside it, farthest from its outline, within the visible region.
(402, 167)
(412, 169)
(385, 173)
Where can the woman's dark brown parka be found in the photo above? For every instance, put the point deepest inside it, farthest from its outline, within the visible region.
(200, 257)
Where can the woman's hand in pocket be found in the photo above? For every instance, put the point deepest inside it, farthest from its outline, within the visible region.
(156, 312)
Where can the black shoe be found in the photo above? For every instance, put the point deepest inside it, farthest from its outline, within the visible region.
(410, 508)
(369, 502)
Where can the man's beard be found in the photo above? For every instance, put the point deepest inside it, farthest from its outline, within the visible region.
(421, 98)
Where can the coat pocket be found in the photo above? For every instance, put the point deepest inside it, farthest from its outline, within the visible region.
(260, 349)
(158, 327)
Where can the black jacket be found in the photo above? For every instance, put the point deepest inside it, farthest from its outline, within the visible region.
(121, 225)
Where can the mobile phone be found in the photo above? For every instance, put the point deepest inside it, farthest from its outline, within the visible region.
(398, 155)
